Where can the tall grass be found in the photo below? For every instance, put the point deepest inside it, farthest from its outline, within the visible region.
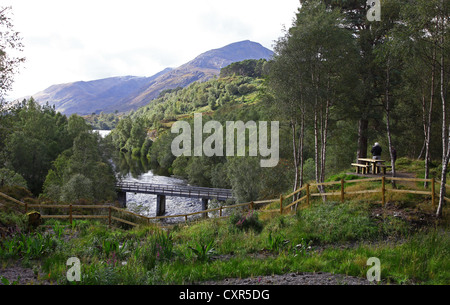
(333, 222)
(331, 237)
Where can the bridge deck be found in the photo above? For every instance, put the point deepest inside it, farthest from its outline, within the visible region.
(175, 190)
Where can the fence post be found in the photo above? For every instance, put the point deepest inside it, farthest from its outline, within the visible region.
(70, 213)
(109, 217)
(251, 205)
(433, 196)
(281, 204)
(342, 190)
(307, 195)
(220, 215)
(383, 191)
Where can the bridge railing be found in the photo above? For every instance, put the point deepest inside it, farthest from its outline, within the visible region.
(174, 189)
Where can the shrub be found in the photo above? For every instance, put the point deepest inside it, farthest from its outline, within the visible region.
(11, 178)
(248, 221)
(78, 187)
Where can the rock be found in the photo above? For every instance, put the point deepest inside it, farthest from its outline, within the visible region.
(34, 220)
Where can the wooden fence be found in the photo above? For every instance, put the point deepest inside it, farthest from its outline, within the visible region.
(308, 191)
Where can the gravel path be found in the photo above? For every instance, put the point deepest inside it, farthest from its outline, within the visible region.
(26, 276)
(21, 276)
(318, 278)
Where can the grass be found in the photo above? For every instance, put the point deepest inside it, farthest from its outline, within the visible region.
(329, 237)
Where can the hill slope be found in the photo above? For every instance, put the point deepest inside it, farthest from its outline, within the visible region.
(131, 92)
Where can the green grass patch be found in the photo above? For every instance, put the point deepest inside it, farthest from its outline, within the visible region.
(334, 222)
(330, 237)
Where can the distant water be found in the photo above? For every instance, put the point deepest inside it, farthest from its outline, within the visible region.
(103, 133)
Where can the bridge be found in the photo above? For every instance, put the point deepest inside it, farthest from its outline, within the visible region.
(162, 190)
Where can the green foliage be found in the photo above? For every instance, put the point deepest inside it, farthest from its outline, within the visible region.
(248, 221)
(103, 121)
(27, 246)
(78, 187)
(331, 222)
(249, 67)
(275, 242)
(244, 175)
(56, 157)
(10, 178)
(5, 281)
(10, 47)
(194, 98)
(76, 171)
(316, 240)
(38, 135)
(203, 252)
(18, 222)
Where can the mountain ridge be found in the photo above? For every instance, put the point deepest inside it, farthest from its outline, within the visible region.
(125, 93)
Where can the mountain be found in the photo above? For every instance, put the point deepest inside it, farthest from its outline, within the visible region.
(94, 96)
(127, 93)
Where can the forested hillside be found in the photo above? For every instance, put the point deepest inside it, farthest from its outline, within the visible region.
(232, 98)
(126, 93)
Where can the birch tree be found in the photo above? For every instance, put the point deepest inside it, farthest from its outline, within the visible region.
(10, 48)
(313, 62)
(443, 25)
(286, 83)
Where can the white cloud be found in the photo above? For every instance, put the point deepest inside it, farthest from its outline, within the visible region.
(74, 40)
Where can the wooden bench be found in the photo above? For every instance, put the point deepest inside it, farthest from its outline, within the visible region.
(384, 167)
(359, 167)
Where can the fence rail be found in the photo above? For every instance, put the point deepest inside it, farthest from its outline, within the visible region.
(342, 193)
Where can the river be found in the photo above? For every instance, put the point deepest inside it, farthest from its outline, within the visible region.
(145, 204)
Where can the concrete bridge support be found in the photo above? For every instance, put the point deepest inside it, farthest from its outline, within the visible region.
(160, 205)
(122, 198)
(205, 206)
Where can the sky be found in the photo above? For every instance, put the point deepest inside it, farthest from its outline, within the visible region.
(72, 40)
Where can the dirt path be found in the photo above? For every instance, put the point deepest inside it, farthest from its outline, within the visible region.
(26, 276)
(319, 278)
(18, 275)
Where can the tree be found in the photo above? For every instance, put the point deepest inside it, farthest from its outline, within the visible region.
(78, 187)
(76, 125)
(82, 172)
(388, 57)
(244, 174)
(10, 45)
(312, 64)
(37, 137)
(10, 178)
(442, 17)
(367, 36)
(422, 33)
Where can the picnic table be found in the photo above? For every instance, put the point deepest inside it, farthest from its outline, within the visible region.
(368, 165)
